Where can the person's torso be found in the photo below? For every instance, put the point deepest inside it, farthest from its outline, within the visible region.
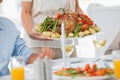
(8, 37)
(46, 5)
(43, 8)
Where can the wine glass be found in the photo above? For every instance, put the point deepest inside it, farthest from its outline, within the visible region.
(69, 49)
(99, 41)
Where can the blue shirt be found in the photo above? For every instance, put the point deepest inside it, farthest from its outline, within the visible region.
(10, 45)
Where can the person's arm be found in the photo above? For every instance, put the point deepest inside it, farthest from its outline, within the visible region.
(20, 49)
(32, 58)
(0, 1)
(77, 7)
(27, 21)
(26, 16)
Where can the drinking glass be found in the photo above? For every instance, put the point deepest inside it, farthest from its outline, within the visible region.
(116, 63)
(99, 41)
(17, 67)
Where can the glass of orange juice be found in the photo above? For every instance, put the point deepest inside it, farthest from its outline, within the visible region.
(17, 68)
(116, 62)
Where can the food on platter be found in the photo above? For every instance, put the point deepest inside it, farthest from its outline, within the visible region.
(76, 25)
(87, 71)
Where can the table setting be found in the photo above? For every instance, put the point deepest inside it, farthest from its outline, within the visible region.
(74, 62)
(101, 67)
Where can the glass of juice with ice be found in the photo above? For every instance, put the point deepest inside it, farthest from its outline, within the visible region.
(116, 62)
(17, 68)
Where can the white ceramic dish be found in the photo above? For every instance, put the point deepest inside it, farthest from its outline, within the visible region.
(83, 78)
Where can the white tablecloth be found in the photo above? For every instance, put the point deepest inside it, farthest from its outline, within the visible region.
(59, 63)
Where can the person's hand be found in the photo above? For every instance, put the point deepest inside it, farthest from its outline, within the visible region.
(37, 36)
(46, 52)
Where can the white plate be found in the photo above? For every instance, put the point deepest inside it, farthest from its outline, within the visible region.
(82, 78)
(72, 38)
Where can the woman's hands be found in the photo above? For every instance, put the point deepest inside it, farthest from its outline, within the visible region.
(78, 8)
(37, 36)
(27, 21)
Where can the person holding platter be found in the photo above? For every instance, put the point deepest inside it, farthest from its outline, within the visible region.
(34, 12)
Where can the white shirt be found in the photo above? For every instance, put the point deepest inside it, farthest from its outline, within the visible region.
(43, 8)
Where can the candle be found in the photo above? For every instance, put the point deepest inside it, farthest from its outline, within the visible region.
(48, 68)
(63, 44)
(38, 67)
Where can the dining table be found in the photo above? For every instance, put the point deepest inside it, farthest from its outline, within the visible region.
(104, 61)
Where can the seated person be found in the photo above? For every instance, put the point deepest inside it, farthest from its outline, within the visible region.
(12, 45)
(115, 45)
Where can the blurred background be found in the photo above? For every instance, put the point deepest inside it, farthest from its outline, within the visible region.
(12, 10)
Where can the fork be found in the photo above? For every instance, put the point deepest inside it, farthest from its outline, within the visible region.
(96, 60)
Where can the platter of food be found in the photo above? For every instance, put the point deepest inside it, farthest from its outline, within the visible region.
(76, 26)
(84, 73)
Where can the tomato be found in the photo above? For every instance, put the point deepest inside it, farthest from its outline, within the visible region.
(58, 15)
(90, 22)
(94, 67)
(78, 69)
(86, 17)
(84, 21)
(84, 26)
(90, 70)
(92, 74)
(87, 67)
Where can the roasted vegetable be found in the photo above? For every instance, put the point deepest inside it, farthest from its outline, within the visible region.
(76, 31)
(54, 26)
